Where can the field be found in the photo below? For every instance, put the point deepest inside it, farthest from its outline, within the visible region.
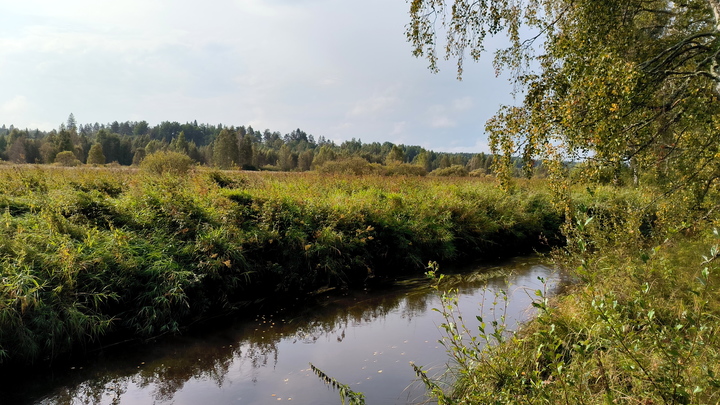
(91, 256)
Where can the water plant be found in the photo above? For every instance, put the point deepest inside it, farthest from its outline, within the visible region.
(347, 395)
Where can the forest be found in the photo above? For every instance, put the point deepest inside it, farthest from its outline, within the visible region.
(219, 146)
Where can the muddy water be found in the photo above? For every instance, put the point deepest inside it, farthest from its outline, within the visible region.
(365, 339)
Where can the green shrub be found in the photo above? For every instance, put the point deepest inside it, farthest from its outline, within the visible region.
(354, 165)
(638, 324)
(67, 158)
(96, 155)
(454, 171)
(360, 167)
(225, 181)
(167, 163)
(643, 331)
(405, 169)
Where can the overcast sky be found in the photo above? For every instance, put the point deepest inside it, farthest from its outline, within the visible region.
(335, 68)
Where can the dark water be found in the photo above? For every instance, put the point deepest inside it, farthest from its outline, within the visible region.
(366, 340)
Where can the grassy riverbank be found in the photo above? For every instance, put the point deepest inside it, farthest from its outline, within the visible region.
(91, 254)
(639, 325)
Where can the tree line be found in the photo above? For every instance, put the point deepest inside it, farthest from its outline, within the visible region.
(127, 143)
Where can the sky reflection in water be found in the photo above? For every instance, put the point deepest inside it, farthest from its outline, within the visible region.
(365, 340)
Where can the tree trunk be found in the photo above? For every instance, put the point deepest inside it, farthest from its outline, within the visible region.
(715, 7)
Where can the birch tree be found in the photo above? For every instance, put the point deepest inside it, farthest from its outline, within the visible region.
(617, 83)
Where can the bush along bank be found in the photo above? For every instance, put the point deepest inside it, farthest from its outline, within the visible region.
(88, 255)
(639, 326)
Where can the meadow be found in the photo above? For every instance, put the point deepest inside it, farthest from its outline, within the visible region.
(90, 256)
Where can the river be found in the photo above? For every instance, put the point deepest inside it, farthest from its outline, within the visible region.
(365, 339)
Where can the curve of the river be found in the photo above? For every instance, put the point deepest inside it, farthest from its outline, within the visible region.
(364, 339)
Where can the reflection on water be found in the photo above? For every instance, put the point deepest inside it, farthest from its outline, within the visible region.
(364, 339)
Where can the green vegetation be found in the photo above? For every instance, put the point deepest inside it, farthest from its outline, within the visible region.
(345, 392)
(639, 325)
(96, 155)
(66, 158)
(359, 166)
(91, 255)
(627, 91)
(454, 170)
(167, 163)
(629, 88)
(223, 147)
(621, 83)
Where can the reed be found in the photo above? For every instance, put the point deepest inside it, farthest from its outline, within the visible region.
(95, 254)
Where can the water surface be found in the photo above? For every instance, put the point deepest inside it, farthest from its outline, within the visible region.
(364, 339)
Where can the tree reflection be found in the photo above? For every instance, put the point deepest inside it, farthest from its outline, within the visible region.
(164, 370)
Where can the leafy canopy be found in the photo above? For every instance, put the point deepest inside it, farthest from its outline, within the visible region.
(618, 83)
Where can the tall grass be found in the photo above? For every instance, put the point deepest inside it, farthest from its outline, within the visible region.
(88, 254)
(639, 326)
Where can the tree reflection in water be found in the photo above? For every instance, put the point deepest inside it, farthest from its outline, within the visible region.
(242, 350)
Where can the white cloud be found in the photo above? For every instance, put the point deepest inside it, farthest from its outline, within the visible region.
(398, 128)
(442, 116)
(466, 146)
(442, 121)
(19, 111)
(373, 106)
(16, 106)
(462, 104)
(438, 117)
(343, 126)
(329, 82)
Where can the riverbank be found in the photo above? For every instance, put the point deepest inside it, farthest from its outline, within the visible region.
(364, 337)
(640, 325)
(91, 256)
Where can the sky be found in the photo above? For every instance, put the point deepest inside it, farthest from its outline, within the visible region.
(334, 68)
